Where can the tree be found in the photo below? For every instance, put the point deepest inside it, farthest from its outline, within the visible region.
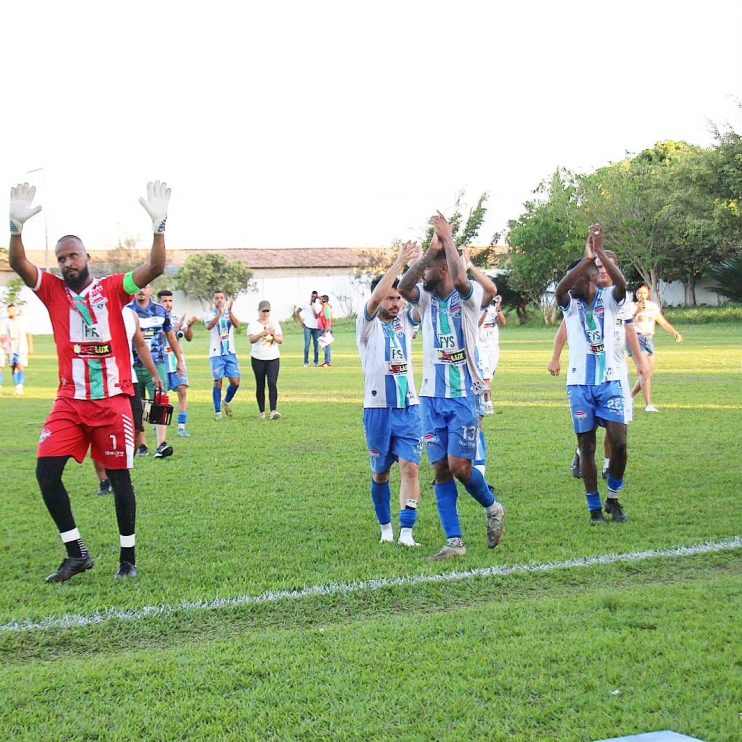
(729, 279)
(13, 291)
(204, 273)
(544, 240)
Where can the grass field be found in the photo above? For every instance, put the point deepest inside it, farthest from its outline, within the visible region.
(266, 608)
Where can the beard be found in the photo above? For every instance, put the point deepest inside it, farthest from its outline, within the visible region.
(430, 284)
(79, 283)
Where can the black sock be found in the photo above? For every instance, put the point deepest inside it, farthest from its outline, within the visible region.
(126, 554)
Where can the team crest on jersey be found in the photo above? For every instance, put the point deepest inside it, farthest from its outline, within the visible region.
(45, 433)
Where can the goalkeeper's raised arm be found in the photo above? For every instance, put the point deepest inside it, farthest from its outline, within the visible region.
(155, 204)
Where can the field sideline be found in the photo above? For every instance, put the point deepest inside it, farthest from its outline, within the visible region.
(590, 643)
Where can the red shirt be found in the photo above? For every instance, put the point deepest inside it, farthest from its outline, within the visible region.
(89, 332)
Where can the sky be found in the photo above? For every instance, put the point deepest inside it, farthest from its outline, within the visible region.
(323, 123)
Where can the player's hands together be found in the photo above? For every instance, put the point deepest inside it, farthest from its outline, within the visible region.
(21, 198)
(409, 252)
(156, 203)
(443, 228)
(595, 240)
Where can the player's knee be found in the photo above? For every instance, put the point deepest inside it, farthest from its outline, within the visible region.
(217, 383)
(380, 477)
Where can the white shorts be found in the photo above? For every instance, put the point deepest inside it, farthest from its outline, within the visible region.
(488, 360)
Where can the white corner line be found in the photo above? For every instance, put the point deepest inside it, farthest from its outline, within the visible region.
(74, 621)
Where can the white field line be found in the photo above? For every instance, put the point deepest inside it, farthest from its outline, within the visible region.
(72, 621)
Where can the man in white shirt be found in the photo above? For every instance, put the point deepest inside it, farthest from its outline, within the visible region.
(594, 377)
(221, 324)
(20, 344)
(449, 305)
(391, 409)
(309, 316)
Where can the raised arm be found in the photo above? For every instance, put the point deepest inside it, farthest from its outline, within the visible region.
(21, 198)
(444, 232)
(156, 205)
(490, 289)
(573, 276)
(597, 238)
(232, 315)
(408, 283)
(406, 254)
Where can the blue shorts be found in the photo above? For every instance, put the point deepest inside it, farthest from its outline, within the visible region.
(174, 381)
(450, 427)
(226, 365)
(392, 433)
(593, 405)
(646, 344)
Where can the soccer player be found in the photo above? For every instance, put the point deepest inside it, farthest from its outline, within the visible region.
(20, 345)
(138, 343)
(154, 322)
(391, 409)
(594, 376)
(92, 408)
(183, 329)
(221, 324)
(625, 338)
(646, 314)
(449, 305)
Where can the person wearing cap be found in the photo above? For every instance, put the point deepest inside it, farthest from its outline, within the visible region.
(265, 336)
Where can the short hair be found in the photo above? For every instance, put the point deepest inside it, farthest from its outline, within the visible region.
(378, 280)
(69, 237)
(11, 305)
(218, 291)
(611, 255)
(164, 292)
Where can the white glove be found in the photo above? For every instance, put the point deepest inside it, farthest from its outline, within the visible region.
(20, 206)
(158, 197)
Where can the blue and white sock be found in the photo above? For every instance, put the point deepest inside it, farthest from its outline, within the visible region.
(217, 397)
(408, 515)
(615, 486)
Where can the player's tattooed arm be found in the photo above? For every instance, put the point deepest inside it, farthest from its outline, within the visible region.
(405, 256)
(408, 283)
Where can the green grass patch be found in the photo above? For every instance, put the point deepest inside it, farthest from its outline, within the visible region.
(246, 507)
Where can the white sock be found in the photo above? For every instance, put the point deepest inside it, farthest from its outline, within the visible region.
(606, 463)
(387, 533)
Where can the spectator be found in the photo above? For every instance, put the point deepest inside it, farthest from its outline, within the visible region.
(265, 336)
(325, 322)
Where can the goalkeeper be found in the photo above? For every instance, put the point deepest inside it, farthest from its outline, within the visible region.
(92, 407)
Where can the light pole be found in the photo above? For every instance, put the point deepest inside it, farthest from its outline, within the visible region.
(46, 227)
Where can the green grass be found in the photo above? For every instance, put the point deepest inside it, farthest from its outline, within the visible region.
(247, 507)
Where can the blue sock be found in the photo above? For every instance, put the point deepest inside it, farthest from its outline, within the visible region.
(231, 391)
(182, 418)
(615, 485)
(445, 497)
(382, 497)
(216, 393)
(18, 377)
(407, 517)
(478, 489)
(1, 378)
(593, 501)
